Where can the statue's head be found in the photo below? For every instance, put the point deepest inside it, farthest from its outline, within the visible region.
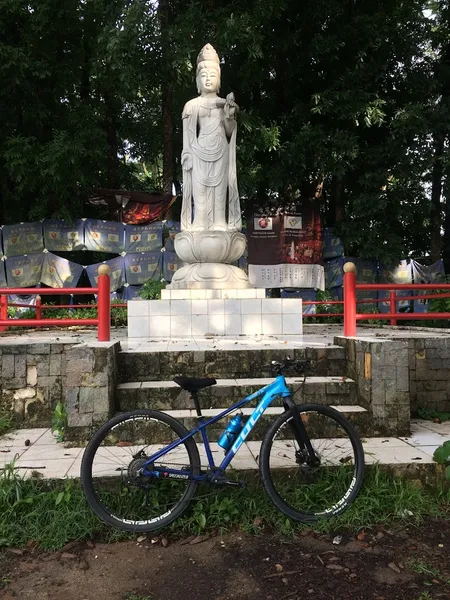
(208, 70)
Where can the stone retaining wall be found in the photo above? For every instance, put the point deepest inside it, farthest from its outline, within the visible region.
(35, 377)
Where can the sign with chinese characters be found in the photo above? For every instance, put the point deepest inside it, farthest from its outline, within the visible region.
(62, 236)
(139, 268)
(117, 273)
(143, 238)
(24, 271)
(104, 236)
(23, 238)
(59, 272)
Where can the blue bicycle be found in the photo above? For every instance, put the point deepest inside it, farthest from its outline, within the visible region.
(141, 469)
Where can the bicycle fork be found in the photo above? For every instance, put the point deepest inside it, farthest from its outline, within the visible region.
(300, 433)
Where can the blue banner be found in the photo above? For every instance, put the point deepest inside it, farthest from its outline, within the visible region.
(334, 272)
(131, 292)
(332, 245)
(23, 238)
(171, 228)
(117, 274)
(140, 268)
(171, 263)
(59, 272)
(104, 236)
(24, 271)
(62, 236)
(402, 305)
(426, 274)
(401, 273)
(143, 238)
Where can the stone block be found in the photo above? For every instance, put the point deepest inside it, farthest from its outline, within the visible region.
(403, 379)
(79, 419)
(31, 375)
(7, 366)
(43, 366)
(14, 383)
(86, 398)
(38, 349)
(55, 364)
(102, 401)
(56, 349)
(20, 365)
(79, 365)
(72, 399)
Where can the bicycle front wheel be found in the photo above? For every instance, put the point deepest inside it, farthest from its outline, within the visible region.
(111, 477)
(308, 492)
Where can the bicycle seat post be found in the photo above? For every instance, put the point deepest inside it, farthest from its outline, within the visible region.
(194, 396)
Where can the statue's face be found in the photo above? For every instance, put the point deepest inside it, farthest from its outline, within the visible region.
(208, 80)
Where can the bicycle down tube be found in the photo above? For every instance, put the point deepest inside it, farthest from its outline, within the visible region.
(268, 393)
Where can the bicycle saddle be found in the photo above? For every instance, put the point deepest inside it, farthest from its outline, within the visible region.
(193, 384)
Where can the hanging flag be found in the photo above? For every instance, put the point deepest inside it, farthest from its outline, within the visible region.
(171, 263)
(23, 238)
(59, 272)
(117, 273)
(143, 267)
(143, 238)
(62, 236)
(171, 228)
(24, 271)
(332, 245)
(2, 274)
(104, 236)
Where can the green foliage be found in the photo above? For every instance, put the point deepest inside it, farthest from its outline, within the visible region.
(6, 422)
(431, 415)
(442, 456)
(59, 421)
(151, 290)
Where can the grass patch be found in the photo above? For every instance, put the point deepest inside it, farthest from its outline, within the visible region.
(422, 568)
(51, 513)
(6, 422)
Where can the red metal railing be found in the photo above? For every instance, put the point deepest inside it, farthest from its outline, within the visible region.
(102, 322)
(351, 287)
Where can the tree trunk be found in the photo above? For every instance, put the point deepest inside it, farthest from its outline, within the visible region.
(165, 17)
(446, 241)
(436, 192)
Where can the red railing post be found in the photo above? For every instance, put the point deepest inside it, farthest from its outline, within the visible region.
(38, 308)
(104, 304)
(349, 299)
(3, 309)
(392, 305)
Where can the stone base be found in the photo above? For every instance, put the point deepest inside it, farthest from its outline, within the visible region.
(209, 276)
(177, 318)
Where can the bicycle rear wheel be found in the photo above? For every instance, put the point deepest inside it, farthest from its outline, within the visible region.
(110, 471)
(306, 492)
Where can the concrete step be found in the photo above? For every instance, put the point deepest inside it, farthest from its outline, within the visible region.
(167, 395)
(356, 414)
(224, 363)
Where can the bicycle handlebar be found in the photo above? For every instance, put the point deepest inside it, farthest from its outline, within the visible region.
(288, 363)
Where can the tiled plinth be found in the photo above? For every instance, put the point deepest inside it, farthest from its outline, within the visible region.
(214, 316)
(212, 294)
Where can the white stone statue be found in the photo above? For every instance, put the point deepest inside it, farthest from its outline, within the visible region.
(211, 214)
(209, 153)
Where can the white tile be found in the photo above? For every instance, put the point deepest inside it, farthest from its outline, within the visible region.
(233, 324)
(160, 326)
(249, 293)
(232, 306)
(160, 308)
(199, 307)
(180, 326)
(216, 324)
(216, 306)
(271, 306)
(251, 324)
(138, 308)
(229, 294)
(291, 305)
(138, 327)
(292, 324)
(180, 307)
(166, 294)
(178, 294)
(260, 293)
(213, 294)
(250, 306)
(198, 294)
(199, 325)
(272, 324)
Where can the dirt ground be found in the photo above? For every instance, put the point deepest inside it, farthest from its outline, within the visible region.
(381, 564)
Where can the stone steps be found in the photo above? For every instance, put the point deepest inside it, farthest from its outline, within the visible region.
(225, 363)
(170, 398)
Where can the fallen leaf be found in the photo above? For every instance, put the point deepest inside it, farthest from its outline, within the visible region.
(278, 567)
(164, 542)
(68, 555)
(394, 567)
(199, 539)
(142, 538)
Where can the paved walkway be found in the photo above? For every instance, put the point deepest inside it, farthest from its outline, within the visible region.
(37, 450)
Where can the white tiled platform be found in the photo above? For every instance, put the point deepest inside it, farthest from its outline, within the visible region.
(54, 461)
(214, 316)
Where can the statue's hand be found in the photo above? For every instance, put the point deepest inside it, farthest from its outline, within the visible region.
(230, 108)
(186, 161)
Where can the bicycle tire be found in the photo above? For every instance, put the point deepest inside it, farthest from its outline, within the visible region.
(266, 475)
(87, 480)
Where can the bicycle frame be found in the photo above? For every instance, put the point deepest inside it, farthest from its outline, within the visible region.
(268, 394)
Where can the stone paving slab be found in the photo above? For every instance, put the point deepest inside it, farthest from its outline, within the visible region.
(50, 458)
